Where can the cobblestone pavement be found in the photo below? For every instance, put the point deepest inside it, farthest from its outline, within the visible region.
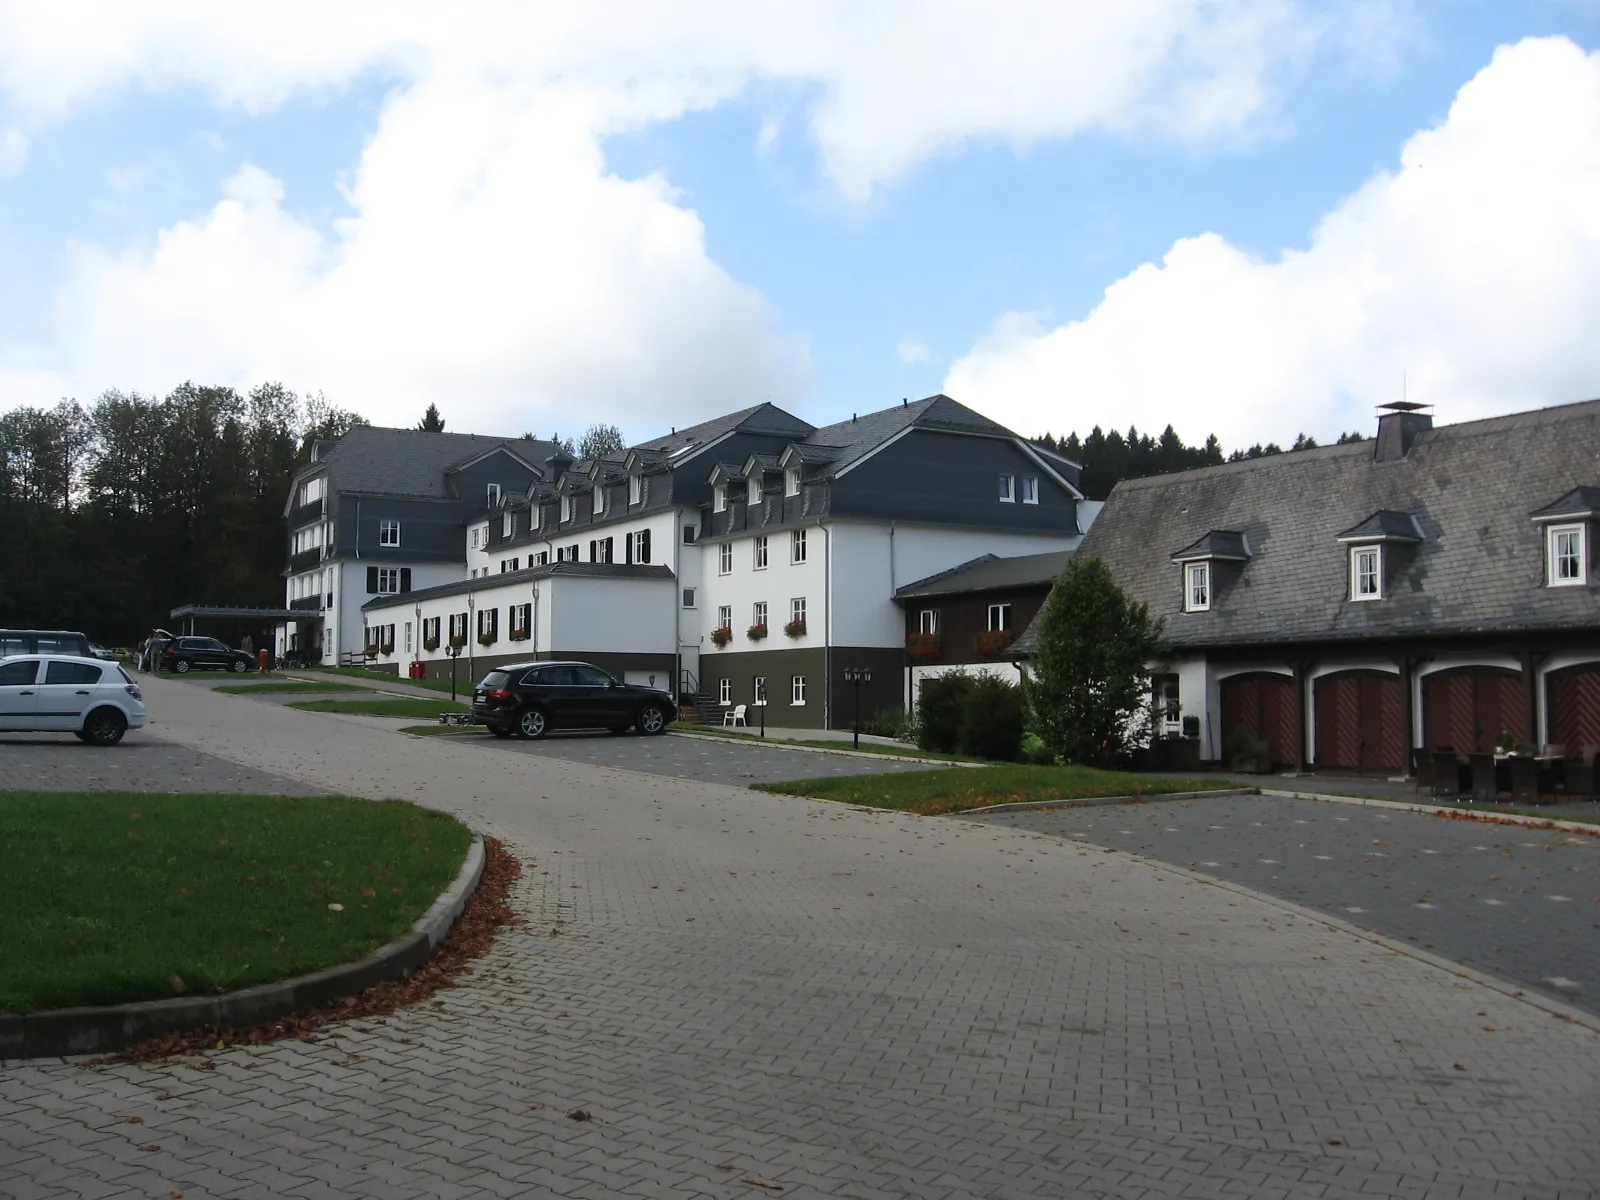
(741, 988)
(1520, 903)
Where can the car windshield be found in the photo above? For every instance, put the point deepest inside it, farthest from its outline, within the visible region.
(495, 679)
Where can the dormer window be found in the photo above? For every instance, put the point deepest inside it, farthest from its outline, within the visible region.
(719, 498)
(753, 490)
(508, 524)
(1197, 587)
(635, 489)
(494, 495)
(566, 508)
(791, 481)
(1366, 573)
(1568, 560)
(599, 499)
(1217, 546)
(1008, 489)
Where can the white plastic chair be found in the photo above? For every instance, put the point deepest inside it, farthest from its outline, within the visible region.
(734, 716)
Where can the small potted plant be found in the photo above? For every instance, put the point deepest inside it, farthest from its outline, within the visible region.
(430, 643)
(923, 647)
(795, 629)
(721, 637)
(994, 642)
(756, 632)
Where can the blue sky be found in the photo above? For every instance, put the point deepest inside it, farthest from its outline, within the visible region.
(824, 296)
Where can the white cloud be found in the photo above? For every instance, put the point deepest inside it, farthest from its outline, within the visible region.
(491, 263)
(912, 351)
(13, 150)
(1473, 270)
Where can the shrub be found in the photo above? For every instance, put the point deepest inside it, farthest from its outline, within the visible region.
(888, 722)
(1034, 751)
(939, 704)
(991, 719)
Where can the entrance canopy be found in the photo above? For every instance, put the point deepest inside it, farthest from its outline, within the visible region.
(194, 612)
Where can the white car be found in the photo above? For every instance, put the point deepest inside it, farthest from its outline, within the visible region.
(60, 693)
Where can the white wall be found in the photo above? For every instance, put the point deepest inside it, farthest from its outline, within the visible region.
(777, 584)
(618, 616)
(918, 672)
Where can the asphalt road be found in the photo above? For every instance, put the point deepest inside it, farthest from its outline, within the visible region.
(59, 762)
(1520, 903)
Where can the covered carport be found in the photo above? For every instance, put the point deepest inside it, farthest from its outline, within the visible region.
(231, 624)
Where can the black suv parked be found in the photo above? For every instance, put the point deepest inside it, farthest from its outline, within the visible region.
(186, 653)
(528, 699)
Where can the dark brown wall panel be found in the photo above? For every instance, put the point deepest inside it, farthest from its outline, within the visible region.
(1360, 721)
(1468, 708)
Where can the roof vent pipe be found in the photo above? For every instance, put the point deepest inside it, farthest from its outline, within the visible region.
(1399, 424)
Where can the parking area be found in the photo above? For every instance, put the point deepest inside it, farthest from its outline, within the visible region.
(1517, 902)
(141, 762)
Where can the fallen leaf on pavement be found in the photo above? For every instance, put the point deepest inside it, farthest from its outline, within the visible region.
(769, 1184)
(580, 1114)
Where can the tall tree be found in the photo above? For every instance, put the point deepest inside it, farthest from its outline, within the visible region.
(600, 440)
(1087, 684)
(431, 421)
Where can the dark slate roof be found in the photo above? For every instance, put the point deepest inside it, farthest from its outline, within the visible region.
(861, 435)
(989, 573)
(811, 452)
(1385, 525)
(570, 570)
(760, 418)
(1471, 488)
(411, 462)
(1225, 544)
(1579, 502)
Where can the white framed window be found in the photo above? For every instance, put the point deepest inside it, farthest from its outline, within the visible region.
(688, 597)
(928, 621)
(1008, 488)
(599, 499)
(1568, 557)
(311, 490)
(797, 690)
(1030, 489)
(641, 545)
(408, 637)
(724, 691)
(725, 617)
(388, 533)
(566, 508)
(1366, 572)
(388, 581)
(760, 563)
(689, 532)
(1197, 587)
(791, 481)
(797, 609)
(758, 613)
(725, 559)
(506, 525)
(719, 498)
(753, 489)
(542, 558)
(472, 537)
(999, 617)
(797, 546)
(760, 689)
(635, 489)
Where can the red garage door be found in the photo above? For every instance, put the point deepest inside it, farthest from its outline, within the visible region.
(1468, 708)
(1574, 700)
(1262, 705)
(1360, 718)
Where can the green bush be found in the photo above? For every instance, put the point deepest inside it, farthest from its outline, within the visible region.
(1035, 751)
(888, 722)
(991, 719)
(940, 701)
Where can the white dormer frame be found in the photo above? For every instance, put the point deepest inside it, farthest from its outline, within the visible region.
(753, 489)
(506, 525)
(1197, 586)
(636, 488)
(1366, 571)
(1567, 554)
(719, 498)
(791, 481)
(599, 499)
(493, 494)
(566, 507)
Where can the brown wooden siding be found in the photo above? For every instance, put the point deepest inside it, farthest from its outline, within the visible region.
(1360, 721)
(963, 617)
(1574, 706)
(1468, 708)
(1263, 705)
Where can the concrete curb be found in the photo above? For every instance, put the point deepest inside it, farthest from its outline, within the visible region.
(1098, 801)
(69, 1031)
(1467, 814)
(777, 745)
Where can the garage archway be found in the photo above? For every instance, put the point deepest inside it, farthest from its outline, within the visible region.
(1468, 708)
(1262, 705)
(1360, 719)
(1573, 696)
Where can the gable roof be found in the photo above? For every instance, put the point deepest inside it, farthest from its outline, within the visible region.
(1469, 487)
(1580, 503)
(990, 572)
(1385, 525)
(1225, 544)
(759, 418)
(411, 462)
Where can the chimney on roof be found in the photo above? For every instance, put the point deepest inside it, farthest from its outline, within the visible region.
(852, 418)
(1399, 424)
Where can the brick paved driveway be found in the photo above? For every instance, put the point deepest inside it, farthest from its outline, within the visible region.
(744, 987)
(1520, 903)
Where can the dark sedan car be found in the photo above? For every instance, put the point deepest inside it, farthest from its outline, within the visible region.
(186, 654)
(528, 699)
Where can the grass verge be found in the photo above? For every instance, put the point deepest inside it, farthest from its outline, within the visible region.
(824, 744)
(935, 792)
(286, 689)
(441, 730)
(112, 897)
(413, 707)
(433, 685)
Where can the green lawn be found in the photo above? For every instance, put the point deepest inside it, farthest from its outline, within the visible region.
(463, 684)
(943, 790)
(442, 730)
(107, 896)
(824, 744)
(408, 706)
(286, 689)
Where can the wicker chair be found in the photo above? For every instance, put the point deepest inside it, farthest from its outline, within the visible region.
(1446, 772)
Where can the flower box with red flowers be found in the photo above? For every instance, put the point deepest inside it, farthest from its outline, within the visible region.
(756, 632)
(795, 629)
(994, 641)
(721, 637)
(923, 647)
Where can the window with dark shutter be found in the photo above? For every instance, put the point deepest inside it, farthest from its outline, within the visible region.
(372, 581)
(644, 546)
(405, 579)
(627, 547)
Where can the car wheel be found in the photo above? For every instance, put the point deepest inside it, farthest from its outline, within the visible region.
(239, 665)
(652, 720)
(500, 731)
(531, 724)
(181, 666)
(105, 727)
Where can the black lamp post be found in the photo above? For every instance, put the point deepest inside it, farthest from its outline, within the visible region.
(455, 653)
(855, 677)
